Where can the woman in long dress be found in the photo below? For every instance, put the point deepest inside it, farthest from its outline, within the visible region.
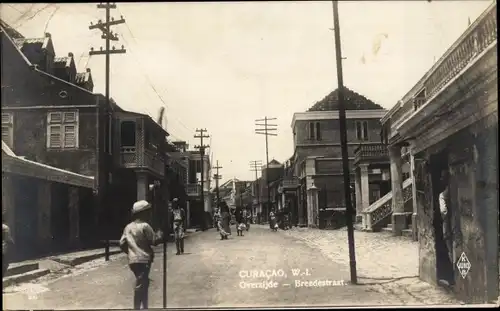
(226, 217)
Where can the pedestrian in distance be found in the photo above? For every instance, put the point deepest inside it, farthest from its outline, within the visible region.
(178, 217)
(7, 245)
(137, 242)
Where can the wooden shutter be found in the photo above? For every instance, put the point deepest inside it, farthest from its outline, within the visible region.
(54, 117)
(69, 117)
(69, 136)
(55, 136)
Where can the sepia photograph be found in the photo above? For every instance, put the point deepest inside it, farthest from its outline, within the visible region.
(249, 155)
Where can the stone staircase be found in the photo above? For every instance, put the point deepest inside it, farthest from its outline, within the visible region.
(377, 217)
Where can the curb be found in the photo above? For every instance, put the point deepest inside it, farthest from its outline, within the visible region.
(24, 277)
(82, 259)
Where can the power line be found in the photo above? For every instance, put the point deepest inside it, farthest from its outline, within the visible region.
(147, 77)
(267, 130)
(148, 81)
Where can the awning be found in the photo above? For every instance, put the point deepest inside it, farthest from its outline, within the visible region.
(17, 165)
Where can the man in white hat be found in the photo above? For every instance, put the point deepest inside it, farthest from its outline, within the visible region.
(137, 242)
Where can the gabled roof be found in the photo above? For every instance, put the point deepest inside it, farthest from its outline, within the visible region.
(353, 101)
(28, 63)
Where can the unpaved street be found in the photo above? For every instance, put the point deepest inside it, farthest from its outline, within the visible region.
(215, 273)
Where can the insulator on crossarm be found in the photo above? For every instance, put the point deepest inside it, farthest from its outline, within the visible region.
(92, 49)
(101, 48)
(121, 16)
(123, 47)
(112, 19)
(113, 48)
(91, 24)
(99, 21)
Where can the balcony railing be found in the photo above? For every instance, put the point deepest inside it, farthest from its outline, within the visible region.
(376, 152)
(291, 183)
(130, 158)
(154, 162)
(193, 189)
(476, 39)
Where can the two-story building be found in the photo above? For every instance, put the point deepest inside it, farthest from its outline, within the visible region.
(449, 122)
(200, 213)
(51, 116)
(317, 151)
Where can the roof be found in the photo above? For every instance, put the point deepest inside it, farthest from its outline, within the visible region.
(61, 62)
(41, 42)
(83, 77)
(10, 31)
(353, 101)
(18, 165)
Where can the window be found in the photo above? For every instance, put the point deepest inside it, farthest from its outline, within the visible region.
(7, 129)
(62, 130)
(127, 134)
(314, 131)
(362, 130)
(311, 131)
(318, 131)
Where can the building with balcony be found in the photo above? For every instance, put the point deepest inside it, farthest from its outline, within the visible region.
(50, 116)
(449, 122)
(200, 213)
(317, 152)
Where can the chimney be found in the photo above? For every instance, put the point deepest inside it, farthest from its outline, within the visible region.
(47, 35)
(70, 54)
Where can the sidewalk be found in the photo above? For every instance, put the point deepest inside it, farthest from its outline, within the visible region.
(56, 266)
(387, 264)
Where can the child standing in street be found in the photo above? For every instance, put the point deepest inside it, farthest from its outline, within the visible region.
(137, 242)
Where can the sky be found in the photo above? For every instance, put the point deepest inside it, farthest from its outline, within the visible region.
(221, 66)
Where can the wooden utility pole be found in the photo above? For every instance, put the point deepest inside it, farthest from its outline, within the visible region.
(108, 35)
(202, 149)
(343, 141)
(267, 130)
(217, 177)
(255, 166)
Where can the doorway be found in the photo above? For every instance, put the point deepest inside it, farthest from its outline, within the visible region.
(443, 247)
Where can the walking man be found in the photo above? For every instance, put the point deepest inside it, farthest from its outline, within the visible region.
(178, 217)
(137, 241)
(7, 243)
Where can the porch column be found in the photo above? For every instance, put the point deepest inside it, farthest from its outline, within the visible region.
(8, 204)
(365, 186)
(312, 207)
(302, 221)
(188, 215)
(357, 190)
(44, 214)
(142, 186)
(74, 214)
(414, 229)
(398, 215)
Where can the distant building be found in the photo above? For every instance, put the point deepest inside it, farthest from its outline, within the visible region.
(317, 155)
